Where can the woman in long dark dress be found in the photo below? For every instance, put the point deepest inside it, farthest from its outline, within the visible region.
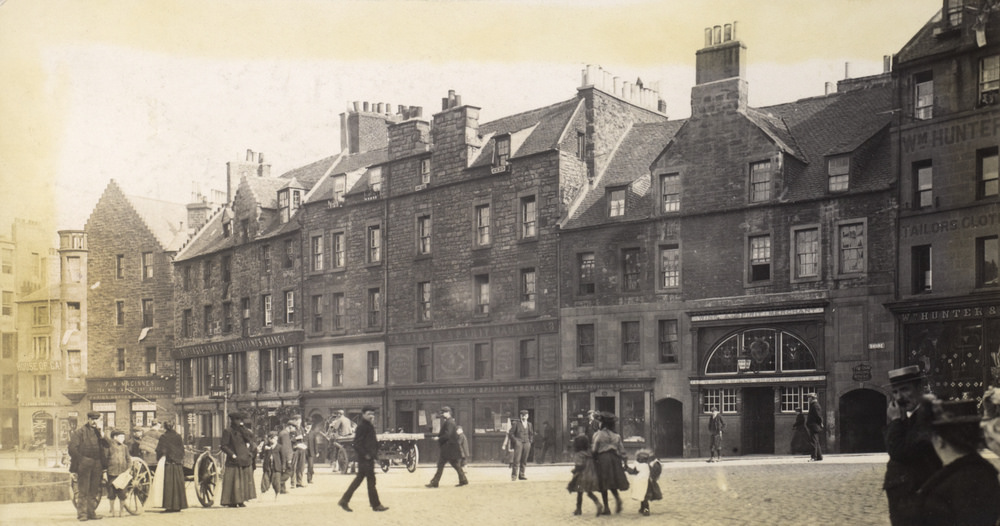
(609, 456)
(171, 446)
(237, 481)
(800, 436)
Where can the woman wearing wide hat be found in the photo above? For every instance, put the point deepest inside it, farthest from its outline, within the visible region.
(237, 480)
(965, 491)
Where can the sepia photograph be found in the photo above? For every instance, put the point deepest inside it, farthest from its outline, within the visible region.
(706, 262)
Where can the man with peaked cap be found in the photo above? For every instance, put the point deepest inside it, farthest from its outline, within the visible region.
(907, 440)
(521, 435)
(450, 451)
(366, 448)
(86, 451)
(965, 490)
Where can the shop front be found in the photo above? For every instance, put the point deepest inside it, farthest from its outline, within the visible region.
(630, 400)
(483, 411)
(956, 341)
(128, 402)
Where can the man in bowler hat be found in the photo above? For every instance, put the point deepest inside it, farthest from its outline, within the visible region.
(450, 451)
(907, 440)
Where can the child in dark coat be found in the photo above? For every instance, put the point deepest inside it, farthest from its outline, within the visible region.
(584, 474)
(648, 468)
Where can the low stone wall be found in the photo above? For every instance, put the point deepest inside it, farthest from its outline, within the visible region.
(33, 486)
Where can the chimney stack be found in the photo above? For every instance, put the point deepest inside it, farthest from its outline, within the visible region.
(720, 73)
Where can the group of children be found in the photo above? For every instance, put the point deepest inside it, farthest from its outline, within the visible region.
(586, 480)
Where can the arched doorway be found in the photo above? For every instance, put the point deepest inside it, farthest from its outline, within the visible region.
(42, 429)
(862, 417)
(669, 432)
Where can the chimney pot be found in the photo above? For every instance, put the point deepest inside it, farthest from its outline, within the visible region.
(727, 33)
(419, 111)
(829, 88)
(708, 36)
(886, 63)
(260, 158)
(847, 70)
(357, 106)
(380, 109)
(249, 154)
(734, 30)
(717, 34)
(364, 105)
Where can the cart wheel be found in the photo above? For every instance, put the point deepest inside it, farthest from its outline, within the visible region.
(342, 461)
(412, 457)
(206, 477)
(137, 490)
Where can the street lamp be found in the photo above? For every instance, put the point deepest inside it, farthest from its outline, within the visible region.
(221, 392)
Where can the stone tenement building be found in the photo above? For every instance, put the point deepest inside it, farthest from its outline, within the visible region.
(132, 242)
(946, 128)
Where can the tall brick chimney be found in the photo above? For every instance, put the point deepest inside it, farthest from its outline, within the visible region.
(197, 215)
(253, 166)
(364, 126)
(720, 73)
(455, 134)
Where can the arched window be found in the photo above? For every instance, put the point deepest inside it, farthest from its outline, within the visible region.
(756, 351)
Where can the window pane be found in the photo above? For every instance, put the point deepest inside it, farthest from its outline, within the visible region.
(852, 248)
(760, 181)
(807, 253)
(585, 344)
(670, 189)
(670, 267)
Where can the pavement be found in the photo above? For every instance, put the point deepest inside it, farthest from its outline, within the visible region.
(842, 489)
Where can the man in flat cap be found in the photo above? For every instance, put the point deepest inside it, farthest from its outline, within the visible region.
(366, 448)
(86, 452)
(912, 459)
(521, 436)
(450, 452)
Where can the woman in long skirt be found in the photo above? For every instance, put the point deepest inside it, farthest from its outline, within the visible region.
(237, 481)
(171, 446)
(609, 455)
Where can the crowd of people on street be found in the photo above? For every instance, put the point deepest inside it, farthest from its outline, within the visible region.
(934, 476)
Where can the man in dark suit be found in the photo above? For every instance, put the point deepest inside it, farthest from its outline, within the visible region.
(87, 461)
(450, 451)
(521, 435)
(814, 424)
(366, 448)
(912, 459)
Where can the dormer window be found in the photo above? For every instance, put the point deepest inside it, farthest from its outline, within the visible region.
(501, 150)
(289, 200)
(954, 11)
(339, 188)
(616, 201)
(838, 171)
(227, 228)
(989, 80)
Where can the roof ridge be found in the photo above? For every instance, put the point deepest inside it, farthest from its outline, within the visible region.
(520, 114)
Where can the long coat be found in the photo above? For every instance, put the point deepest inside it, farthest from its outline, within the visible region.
(365, 441)
(912, 459)
(234, 444)
(448, 440)
(965, 492)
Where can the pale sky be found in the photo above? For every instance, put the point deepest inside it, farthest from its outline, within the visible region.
(159, 95)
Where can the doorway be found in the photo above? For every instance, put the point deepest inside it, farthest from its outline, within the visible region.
(758, 421)
(669, 428)
(862, 416)
(605, 404)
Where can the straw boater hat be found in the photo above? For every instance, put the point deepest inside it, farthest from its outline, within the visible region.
(956, 412)
(910, 373)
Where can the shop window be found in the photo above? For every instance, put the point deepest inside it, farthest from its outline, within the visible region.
(920, 268)
(493, 415)
(723, 399)
(754, 351)
(795, 398)
(585, 344)
(633, 417)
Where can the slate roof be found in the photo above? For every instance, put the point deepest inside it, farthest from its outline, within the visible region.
(629, 166)
(352, 163)
(531, 132)
(311, 173)
(165, 220)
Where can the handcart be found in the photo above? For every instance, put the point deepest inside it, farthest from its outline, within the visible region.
(394, 449)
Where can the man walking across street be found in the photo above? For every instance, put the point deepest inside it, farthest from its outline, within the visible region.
(912, 459)
(814, 424)
(521, 435)
(548, 444)
(450, 450)
(366, 448)
(716, 425)
(86, 452)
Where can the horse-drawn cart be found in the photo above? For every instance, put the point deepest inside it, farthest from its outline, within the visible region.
(394, 449)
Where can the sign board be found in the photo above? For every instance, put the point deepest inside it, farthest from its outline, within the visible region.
(861, 372)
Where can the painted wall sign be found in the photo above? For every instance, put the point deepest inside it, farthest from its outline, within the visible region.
(951, 314)
(755, 314)
(243, 344)
(486, 389)
(124, 386)
(861, 372)
(474, 333)
(949, 134)
(929, 228)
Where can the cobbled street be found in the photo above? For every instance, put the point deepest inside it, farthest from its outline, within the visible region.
(843, 489)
